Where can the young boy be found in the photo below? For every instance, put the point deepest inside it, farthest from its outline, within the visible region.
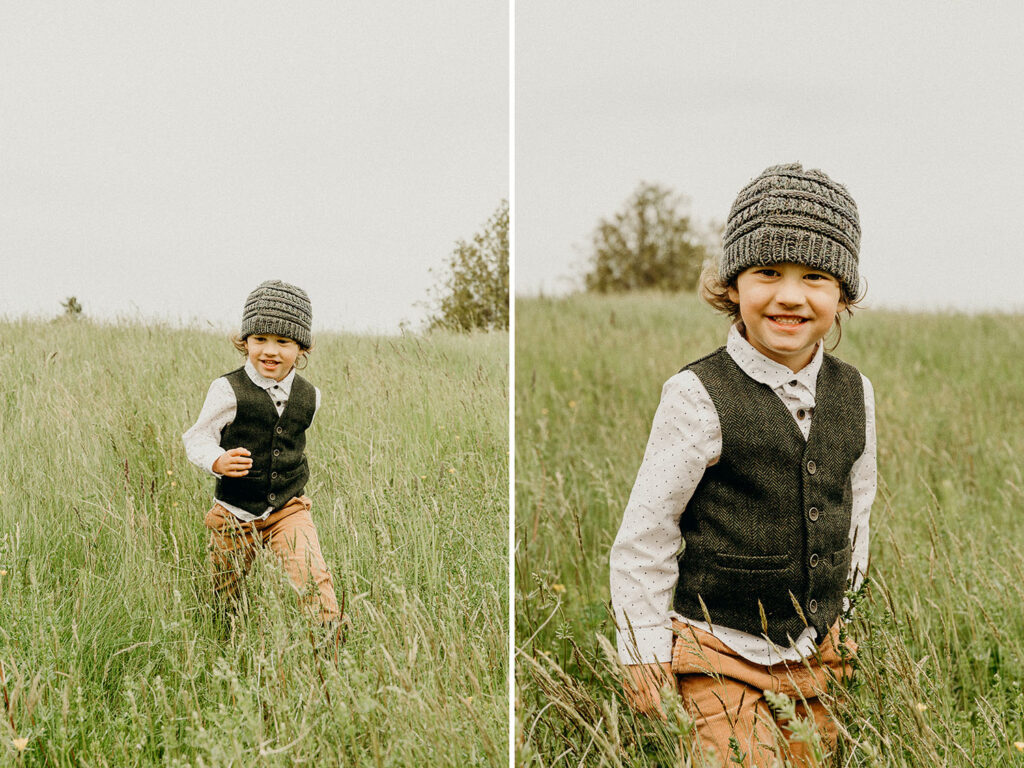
(251, 435)
(750, 511)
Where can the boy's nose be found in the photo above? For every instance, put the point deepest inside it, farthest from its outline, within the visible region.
(790, 292)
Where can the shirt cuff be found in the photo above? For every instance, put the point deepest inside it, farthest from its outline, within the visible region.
(207, 457)
(653, 645)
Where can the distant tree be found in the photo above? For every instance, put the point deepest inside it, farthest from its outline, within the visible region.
(649, 243)
(71, 307)
(474, 291)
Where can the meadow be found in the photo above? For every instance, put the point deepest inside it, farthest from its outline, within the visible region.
(111, 650)
(941, 623)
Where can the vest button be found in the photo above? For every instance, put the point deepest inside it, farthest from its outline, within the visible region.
(814, 560)
(273, 474)
(813, 513)
(811, 466)
(277, 451)
(813, 606)
(272, 496)
(279, 430)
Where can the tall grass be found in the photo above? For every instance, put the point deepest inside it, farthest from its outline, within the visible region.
(941, 627)
(112, 653)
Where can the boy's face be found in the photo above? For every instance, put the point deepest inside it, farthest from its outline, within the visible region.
(271, 355)
(787, 309)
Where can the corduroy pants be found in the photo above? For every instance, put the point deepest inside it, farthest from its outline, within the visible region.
(291, 535)
(725, 694)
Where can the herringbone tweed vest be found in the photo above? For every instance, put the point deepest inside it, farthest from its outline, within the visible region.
(277, 444)
(768, 526)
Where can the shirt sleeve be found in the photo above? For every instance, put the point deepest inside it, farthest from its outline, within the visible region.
(316, 408)
(864, 480)
(202, 440)
(685, 439)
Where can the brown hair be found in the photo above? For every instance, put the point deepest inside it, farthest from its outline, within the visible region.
(716, 293)
(239, 343)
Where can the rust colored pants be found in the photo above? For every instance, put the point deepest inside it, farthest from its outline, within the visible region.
(291, 535)
(725, 694)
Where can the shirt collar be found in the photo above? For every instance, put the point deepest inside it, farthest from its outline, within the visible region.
(263, 382)
(767, 371)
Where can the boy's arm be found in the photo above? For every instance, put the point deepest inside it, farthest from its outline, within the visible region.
(202, 440)
(685, 439)
(316, 408)
(864, 482)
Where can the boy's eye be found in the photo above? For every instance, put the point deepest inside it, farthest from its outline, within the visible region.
(767, 272)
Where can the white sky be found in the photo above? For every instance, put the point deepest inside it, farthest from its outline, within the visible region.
(918, 108)
(159, 160)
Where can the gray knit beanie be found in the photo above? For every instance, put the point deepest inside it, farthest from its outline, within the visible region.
(789, 214)
(279, 308)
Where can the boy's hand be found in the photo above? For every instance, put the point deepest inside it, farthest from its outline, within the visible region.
(643, 687)
(233, 463)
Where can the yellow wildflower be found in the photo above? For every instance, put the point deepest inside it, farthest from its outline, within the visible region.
(558, 588)
(921, 706)
(1019, 745)
(572, 403)
(20, 744)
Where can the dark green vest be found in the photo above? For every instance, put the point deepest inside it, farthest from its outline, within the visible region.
(770, 522)
(277, 444)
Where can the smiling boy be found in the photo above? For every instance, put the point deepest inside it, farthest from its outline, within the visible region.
(251, 435)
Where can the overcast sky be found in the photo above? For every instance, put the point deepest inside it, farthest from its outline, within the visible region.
(918, 108)
(160, 159)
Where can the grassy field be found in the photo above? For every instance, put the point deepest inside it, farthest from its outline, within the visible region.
(941, 627)
(111, 651)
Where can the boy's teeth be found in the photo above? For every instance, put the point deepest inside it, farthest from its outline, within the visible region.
(788, 320)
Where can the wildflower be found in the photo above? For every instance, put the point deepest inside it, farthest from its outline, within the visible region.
(20, 744)
(423, 477)
(544, 411)
(921, 706)
(170, 471)
(3, 572)
(572, 403)
(173, 483)
(451, 470)
(558, 588)
(1019, 745)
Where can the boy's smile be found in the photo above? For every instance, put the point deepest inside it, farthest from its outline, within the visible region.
(271, 355)
(787, 309)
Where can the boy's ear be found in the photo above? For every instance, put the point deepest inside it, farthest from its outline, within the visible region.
(734, 295)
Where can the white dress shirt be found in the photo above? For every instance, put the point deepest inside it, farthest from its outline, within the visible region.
(686, 438)
(202, 440)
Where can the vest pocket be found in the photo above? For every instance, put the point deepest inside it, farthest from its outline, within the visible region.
(736, 562)
(837, 564)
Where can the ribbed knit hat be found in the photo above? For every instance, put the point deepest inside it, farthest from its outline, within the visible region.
(279, 308)
(791, 214)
